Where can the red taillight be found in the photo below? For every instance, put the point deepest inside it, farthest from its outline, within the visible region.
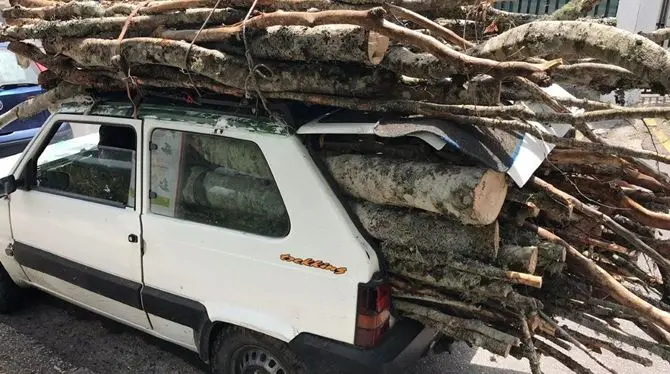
(374, 314)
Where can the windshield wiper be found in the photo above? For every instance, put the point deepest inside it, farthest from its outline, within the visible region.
(15, 85)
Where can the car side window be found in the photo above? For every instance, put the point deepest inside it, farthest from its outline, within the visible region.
(90, 161)
(217, 181)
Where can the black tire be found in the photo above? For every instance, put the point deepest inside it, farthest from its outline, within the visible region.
(10, 293)
(237, 349)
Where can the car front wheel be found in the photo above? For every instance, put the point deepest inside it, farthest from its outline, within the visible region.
(241, 351)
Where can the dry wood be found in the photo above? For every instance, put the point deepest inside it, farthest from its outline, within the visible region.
(528, 346)
(589, 241)
(110, 27)
(658, 36)
(473, 196)
(644, 215)
(426, 231)
(605, 280)
(605, 219)
(65, 11)
(226, 69)
(571, 160)
(472, 331)
(646, 59)
(434, 27)
(427, 261)
(566, 335)
(373, 19)
(456, 306)
(518, 258)
(35, 105)
(573, 10)
(345, 43)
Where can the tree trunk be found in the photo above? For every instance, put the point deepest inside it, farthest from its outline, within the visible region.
(110, 27)
(571, 39)
(426, 231)
(226, 69)
(472, 331)
(427, 261)
(472, 195)
(345, 43)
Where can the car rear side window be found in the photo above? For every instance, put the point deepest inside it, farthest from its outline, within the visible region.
(217, 181)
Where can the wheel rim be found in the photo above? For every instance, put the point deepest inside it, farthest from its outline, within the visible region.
(256, 360)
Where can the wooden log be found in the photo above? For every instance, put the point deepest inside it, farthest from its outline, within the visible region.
(427, 263)
(471, 195)
(581, 40)
(472, 331)
(426, 231)
(110, 27)
(346, 43)
(523, 259)
(580, 263)
(570, 160)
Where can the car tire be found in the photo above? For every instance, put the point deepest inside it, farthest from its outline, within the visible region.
(10, 293)
(240, 351)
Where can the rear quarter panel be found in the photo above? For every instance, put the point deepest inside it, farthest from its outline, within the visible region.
(241, 278)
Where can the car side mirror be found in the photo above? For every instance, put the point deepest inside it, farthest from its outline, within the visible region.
(8, 184)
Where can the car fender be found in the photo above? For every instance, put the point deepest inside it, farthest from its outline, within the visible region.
(259, 321)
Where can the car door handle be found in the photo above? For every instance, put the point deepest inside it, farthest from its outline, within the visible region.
(132, 238)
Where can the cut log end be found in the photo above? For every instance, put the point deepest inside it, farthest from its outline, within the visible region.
(489, 197)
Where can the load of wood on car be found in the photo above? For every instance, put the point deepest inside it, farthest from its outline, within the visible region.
(509, 267)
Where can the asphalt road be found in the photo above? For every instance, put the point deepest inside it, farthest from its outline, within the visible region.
(50, 336)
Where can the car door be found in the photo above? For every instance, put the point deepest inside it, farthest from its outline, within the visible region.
(75, 225)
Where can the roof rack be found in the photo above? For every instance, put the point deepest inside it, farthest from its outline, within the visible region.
(294, 113)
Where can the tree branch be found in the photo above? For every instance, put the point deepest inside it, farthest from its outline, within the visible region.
(646, 59)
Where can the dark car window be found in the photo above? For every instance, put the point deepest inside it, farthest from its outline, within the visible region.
(11, 73)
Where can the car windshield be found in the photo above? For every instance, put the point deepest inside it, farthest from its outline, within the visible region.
(13, 74)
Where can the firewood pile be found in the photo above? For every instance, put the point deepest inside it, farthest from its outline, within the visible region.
(468, 251)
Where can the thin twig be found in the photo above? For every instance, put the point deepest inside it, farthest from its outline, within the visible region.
(188, 52)
(574, 341)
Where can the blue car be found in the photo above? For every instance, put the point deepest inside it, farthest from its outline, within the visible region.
(18, 84)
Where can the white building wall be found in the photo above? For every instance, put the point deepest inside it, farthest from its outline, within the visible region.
(636, 16)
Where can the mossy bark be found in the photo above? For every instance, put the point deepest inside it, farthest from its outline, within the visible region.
(427, 231)
(110, 27)
(649, 61)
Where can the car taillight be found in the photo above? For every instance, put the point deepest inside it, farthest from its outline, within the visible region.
(374, 314)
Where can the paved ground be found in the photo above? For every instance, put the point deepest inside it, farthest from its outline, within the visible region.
(49, 336)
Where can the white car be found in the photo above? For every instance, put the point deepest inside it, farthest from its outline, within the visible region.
(205, 227)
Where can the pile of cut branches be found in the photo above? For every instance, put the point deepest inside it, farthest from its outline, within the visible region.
(468, 252)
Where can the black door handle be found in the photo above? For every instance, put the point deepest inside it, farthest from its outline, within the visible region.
(132, 238)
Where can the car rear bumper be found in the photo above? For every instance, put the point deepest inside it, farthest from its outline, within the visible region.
(403, 345)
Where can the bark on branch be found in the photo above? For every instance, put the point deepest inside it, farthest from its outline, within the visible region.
(646, 59)
(599, 276)
(110, 27)
(35, 105)
(373, 20)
